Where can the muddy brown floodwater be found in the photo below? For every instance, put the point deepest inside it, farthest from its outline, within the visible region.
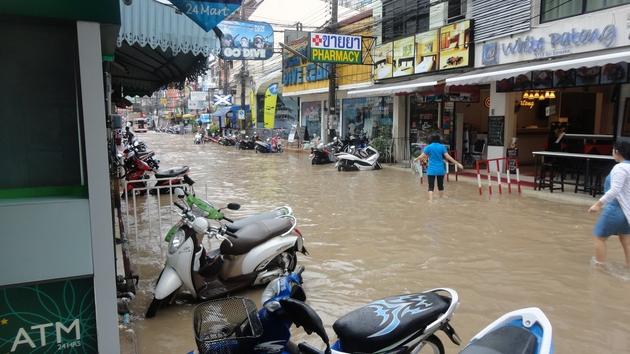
(372, 234)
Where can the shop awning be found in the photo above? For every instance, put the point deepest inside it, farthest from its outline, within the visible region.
(500, 72)
(156, 46)
(402, 86)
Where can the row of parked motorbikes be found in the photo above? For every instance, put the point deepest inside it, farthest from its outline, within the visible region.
(350, 154)
(262, 250)
(242, 142)
(136, 164)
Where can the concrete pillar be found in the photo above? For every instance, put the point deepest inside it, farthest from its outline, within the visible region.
(399, 128)
(502, 104)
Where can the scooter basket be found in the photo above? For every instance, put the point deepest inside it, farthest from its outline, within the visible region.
(227, 326)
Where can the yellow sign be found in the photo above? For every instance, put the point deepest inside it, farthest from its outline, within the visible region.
(455, 42)
(336, 56)
(526, 103)
(271, 97)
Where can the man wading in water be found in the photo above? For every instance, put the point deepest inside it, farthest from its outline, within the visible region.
(437, 154)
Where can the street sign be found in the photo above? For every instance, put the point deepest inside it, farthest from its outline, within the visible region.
(241, 114)
(207, 13)
(223, 100)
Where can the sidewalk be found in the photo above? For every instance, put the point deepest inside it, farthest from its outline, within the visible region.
(527, 188)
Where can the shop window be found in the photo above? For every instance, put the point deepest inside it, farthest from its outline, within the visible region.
(39, 110)
(372, 116)
(456, 10)
(556, 9)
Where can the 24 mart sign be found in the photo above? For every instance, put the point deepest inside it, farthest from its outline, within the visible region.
(335, 48)
(55, 317)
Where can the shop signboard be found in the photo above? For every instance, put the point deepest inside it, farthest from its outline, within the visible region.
(426, 52)
(198, 96)
(57, 316)
(383, 61)
(294, 71)
(404, 56)
(579, 34)
(207, 13)
(335, 48)
(455, 43)
(271, 98)
(246, 40)
(197, 105)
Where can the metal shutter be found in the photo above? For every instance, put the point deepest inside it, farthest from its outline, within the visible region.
(496, 18)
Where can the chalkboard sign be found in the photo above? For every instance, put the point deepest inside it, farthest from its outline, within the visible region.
(495, 130)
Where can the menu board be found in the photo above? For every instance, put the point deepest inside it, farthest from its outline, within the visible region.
(496, 126)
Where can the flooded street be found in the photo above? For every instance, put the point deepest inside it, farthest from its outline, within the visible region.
(372, 234)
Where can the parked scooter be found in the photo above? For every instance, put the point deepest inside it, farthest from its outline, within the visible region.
(361, 160)
(138, 171)
(324, 154)
(203, 208)
(227, 140)
(397, 324)
(272, 145)
(198, 139)
(526, 331)
(247, 143)
(254, 255)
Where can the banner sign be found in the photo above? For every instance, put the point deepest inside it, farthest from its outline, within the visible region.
(198, 96)
(225, 100)
(246, 40)
(55, 317)
(192, 105)
(440, 49)
(335, 48)
(271, 98)
(455, 42)
(207, 13)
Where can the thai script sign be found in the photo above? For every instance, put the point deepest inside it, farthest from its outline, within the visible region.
(335, 48)
(246, 40)
(575, 35)
(207, 13)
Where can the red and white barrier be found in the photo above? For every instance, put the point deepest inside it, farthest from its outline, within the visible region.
(499, 163)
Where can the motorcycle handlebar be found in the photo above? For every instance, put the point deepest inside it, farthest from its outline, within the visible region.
(180, 206)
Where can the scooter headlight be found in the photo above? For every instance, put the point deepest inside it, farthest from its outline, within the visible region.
(272, 290)
(177, 240)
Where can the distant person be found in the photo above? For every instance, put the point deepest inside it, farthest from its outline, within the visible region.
(615, 216)
(244, 42)
(128, 135)
(437, 155)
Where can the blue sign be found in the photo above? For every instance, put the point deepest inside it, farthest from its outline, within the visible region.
(246, 40)
(302, 74)
(207, 13)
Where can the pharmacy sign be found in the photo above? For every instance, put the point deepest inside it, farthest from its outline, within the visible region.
(335, 48)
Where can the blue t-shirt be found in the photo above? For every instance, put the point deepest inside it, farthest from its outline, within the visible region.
(435, 152)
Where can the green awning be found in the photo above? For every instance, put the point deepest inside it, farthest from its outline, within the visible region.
(156, 46)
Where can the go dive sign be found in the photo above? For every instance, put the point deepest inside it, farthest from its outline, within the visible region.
(55, 317)
(335, 48)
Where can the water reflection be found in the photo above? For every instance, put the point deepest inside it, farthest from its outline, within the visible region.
(372, 234)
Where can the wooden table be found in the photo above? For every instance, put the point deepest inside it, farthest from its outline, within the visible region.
(569, 155)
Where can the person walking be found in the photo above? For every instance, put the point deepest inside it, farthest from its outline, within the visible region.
(437, 155)
(615, 206)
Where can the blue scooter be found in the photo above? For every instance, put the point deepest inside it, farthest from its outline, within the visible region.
(524, 331)
(397, 324)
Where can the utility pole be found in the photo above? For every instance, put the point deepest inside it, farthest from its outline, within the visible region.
(226, 87)
(332, 82)
(243, 73)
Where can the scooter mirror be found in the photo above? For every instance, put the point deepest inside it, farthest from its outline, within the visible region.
(233, 206)
(180, 193)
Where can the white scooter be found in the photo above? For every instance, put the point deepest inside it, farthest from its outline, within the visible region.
(358, 160)
(253, 255)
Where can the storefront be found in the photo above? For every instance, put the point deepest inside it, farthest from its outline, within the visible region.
(563, 79)
(308, 84)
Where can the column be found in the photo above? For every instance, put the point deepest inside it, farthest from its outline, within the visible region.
(399, 131)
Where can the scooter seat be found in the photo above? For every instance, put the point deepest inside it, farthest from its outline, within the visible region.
(241, 223)
(389, 321)
(255, 234)
(504, 340)
(173, 172)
